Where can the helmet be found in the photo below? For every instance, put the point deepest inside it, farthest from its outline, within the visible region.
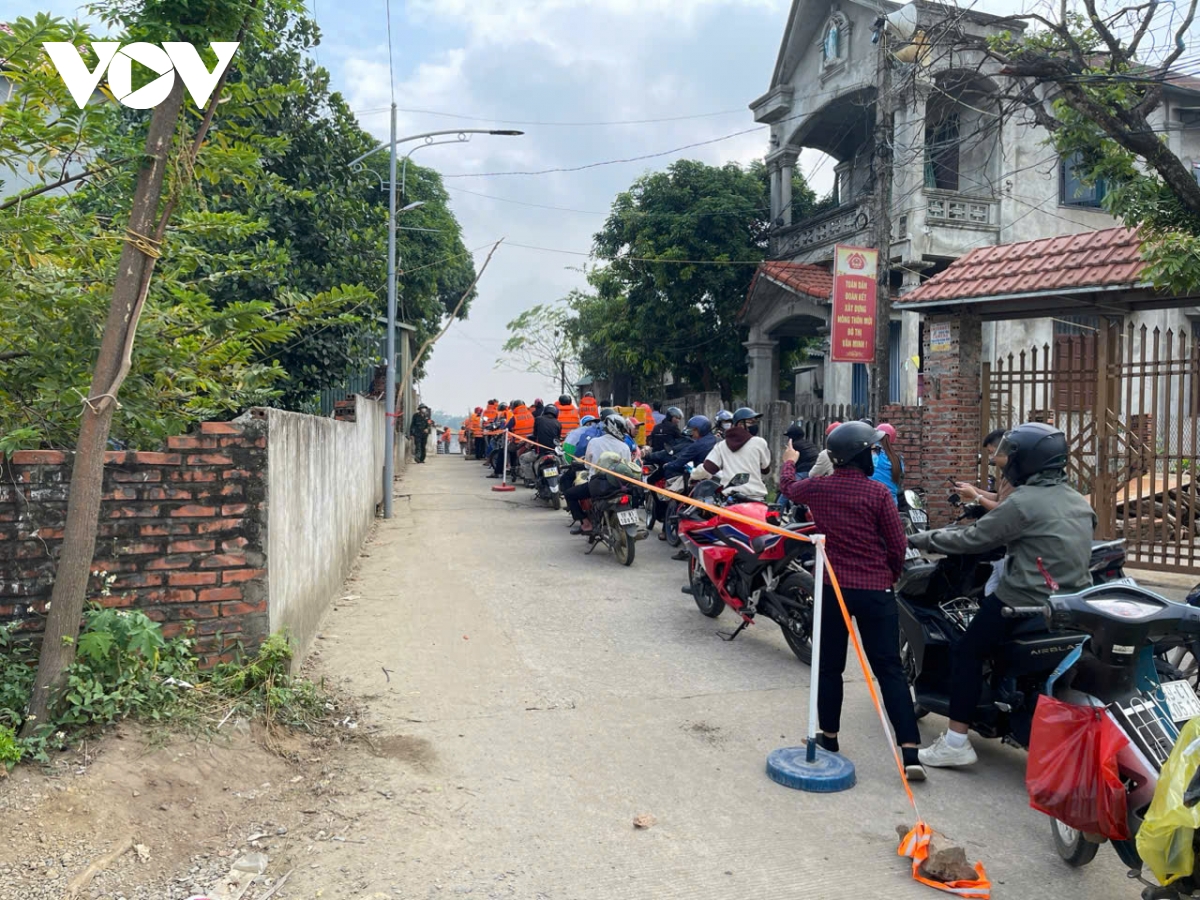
(889, 430)
(832, 425)
(502, 407)
(1031, 448)
(701, 424)
(744, 414)
(867, 421)
(615, 426)
(551, 411)
(565, 400)
(589, 394)
(538, 402)
(588, 420)
(478, 410)
(850, 440)
(607, 411)
(674, 412)
(517, 403)
(796, 429)
(724, 416)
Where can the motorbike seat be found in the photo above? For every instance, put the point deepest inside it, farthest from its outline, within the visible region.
(1024, 627)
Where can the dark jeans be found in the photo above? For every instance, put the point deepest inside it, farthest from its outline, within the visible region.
(480, 448)
(985, 633)
(420, 445)
(573, 496)
(879, 626)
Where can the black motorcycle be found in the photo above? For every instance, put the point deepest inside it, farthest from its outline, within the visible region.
(545, 478)
(615, 523)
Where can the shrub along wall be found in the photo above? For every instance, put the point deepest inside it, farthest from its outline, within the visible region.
(183, 533)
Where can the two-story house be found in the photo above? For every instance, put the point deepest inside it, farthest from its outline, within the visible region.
(965, 174)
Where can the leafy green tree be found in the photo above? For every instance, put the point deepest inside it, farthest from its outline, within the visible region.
(680, 247)
(542, 342)
(1105, 97)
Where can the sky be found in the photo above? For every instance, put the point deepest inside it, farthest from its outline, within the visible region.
(485, 63)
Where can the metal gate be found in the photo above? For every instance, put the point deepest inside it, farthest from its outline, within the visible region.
(1127, 399)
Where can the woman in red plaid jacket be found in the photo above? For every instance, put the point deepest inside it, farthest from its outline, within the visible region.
(865, 544)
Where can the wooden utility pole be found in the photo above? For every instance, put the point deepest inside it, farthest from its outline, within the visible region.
(882, 222)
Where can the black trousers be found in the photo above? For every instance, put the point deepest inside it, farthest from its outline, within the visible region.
(879, 626)
(987, 631)
(420, 445)
(573, 495)
(480, 448)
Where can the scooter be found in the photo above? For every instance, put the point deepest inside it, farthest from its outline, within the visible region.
(615, 524)
(751, 570)
(545, 478)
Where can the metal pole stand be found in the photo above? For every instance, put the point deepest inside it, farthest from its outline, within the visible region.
(503, 486)
(811, 768)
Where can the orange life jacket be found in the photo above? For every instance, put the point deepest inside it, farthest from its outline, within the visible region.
(588, 407)
(490, 415)
(475, 425)
(524, 417)
(568, 417)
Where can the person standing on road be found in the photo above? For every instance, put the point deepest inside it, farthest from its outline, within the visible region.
(418, 430)
(865, 543)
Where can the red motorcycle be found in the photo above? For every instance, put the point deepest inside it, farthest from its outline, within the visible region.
(751, 570)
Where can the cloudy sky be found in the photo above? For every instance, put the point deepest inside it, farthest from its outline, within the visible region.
(574, 67)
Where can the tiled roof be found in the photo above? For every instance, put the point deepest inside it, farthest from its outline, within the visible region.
(803, 278)
(1108, 258)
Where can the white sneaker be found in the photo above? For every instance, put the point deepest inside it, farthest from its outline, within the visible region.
(940, 755)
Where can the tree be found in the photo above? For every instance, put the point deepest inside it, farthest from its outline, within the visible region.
(542, 342)
(145, 231)
(680, 248)
(1085, 77)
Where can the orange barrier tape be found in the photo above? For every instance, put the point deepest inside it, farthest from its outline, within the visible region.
(916, 843)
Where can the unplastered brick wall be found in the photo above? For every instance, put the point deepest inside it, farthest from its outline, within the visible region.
(181, 534)
(909, 422)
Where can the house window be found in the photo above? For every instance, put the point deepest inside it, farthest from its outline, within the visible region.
(941, 154)
(1072, 191)
(858, 385)
(1075, 363)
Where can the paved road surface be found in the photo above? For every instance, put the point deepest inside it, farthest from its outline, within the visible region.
(539, 699)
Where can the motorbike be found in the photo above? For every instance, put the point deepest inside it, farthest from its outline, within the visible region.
(1120, 623)
(546, 470)
(615, 523)
(750, 570)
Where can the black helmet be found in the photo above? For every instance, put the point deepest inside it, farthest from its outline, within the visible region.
(796, 429)
(744, 414)
(851, 442)
(868, 420)
(701, 424)
(674, 412)
(517, 403)
(565, 400)
(608, 411)
(551, 411)
(1031, 448)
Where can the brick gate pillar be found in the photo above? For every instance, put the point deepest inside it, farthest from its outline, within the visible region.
(953, 419)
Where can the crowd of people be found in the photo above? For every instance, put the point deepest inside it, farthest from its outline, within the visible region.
(852, 489)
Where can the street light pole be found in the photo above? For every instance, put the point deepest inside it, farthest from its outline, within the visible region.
(389, 391)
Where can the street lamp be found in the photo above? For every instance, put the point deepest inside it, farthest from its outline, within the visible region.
(461, 136)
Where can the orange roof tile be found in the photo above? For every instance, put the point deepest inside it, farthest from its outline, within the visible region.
(1108, 258)
(803, 278)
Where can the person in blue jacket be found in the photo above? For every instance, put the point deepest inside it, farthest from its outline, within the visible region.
(889, 465)
(703, 440)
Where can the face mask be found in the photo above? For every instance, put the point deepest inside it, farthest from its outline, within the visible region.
(753, 429)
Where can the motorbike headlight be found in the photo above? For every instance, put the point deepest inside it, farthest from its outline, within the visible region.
(1124, 609)
(913, 499)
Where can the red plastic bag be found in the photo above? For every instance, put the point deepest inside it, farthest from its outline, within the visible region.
(1072, 769)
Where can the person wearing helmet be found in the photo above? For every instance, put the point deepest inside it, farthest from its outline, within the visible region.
(1044, 523)
(824, 465)
(612, 440)
(742, 452)
(721, 423)
(703, 440)
(588, 406)
(806, 449)
(537, 407)
(576, 441)
(889, 465)
(864, 540)
(419, 429)
(546, 432)
(666, 433)
(568, 415)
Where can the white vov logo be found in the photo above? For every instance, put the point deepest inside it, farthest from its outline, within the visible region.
(171, 57)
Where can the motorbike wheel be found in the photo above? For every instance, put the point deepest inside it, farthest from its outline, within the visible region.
(624, 542)
(908, 659)
(671, 524)
(1071, 845)
(704, 592)
(556, 500)
(798, 631)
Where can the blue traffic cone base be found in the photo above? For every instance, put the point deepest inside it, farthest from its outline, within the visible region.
(826, 774)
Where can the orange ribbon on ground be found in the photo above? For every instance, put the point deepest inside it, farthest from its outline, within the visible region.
(916, 842)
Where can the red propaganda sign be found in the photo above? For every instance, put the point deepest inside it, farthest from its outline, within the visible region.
(852, 331)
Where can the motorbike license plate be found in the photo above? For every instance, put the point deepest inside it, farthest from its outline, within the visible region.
(1182, 701)
(549, 472)
(627, 517)
(912, 553)
(918, 516)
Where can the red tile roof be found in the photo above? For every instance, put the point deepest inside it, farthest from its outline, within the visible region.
(1108, 258)
(803, 278)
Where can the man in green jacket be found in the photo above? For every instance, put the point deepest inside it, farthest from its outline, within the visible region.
(1044, 518)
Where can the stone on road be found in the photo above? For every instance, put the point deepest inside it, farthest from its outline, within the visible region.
(540, 699)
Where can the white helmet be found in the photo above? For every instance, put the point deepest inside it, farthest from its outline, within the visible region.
(615, 426)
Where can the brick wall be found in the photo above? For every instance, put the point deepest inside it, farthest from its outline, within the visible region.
(182, 531)
(909, 422)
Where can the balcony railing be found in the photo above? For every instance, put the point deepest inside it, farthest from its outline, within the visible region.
(951, 208)
(814, 233)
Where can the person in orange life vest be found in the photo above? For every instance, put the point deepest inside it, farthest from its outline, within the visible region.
(588, 405)
(568, 415)
(520, 424)
(446, 439)
(477, 433)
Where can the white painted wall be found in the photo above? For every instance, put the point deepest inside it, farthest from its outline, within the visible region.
(324, 480)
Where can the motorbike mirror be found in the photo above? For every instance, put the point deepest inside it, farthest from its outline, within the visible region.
(739, 479)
